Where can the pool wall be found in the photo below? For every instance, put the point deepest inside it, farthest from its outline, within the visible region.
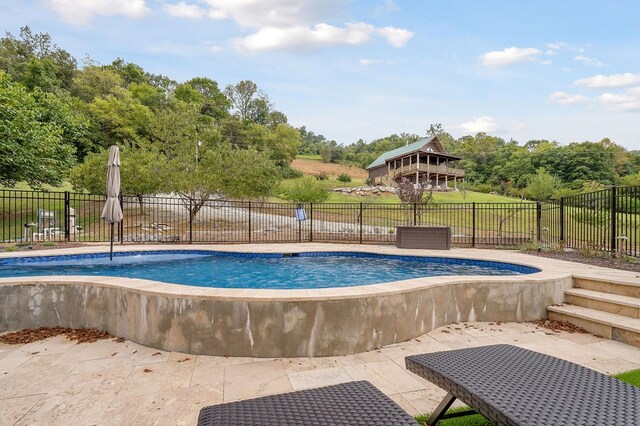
(273, 323)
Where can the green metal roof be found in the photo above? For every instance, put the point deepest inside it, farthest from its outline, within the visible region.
(400, 151)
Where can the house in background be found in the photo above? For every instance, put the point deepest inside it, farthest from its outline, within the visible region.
(425, 161)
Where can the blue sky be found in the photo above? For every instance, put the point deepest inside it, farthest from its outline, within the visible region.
(563, 70)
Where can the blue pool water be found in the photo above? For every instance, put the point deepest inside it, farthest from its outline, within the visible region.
(242, 270)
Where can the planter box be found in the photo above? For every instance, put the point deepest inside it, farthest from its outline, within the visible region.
(423, 237)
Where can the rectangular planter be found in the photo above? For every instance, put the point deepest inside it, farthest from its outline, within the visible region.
(423, 237)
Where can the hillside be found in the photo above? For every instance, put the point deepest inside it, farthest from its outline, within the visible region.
(313, 167)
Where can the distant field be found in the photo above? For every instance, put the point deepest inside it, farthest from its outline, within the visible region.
(23, 186)
(314, 166)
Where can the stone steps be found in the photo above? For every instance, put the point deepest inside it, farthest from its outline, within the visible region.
(612, 326)
(603, 307)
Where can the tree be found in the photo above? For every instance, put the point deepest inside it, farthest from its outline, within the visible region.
(249, 103)
(306, 190)
(32, 136)
(94, 81)
(213, 102)
(140, 171)
(542, 185)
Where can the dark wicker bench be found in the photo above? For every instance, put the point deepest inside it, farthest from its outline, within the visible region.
(353, 403)
(515, 386)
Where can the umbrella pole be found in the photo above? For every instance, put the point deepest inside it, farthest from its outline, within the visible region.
(111, 252)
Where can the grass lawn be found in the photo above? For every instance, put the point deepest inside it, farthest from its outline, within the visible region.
(23, 186)
(309, 157)
(632, 377)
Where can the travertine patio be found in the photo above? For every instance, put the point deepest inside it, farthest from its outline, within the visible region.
(58, 382)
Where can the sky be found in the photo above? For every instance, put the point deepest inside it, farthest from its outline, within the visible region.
(559, 70)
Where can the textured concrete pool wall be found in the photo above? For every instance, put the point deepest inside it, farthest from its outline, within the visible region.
(265, 323)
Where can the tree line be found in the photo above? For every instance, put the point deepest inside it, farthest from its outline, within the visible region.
(57, 120)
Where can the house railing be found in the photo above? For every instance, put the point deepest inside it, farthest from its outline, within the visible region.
(607, 220)
(431, 168)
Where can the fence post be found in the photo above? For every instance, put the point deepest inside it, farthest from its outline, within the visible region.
(561, 220)
(310, 222)
(121, 223)
(614, 224)
(415, 214)
(67, 216)
(473, 224)
(360, 223)
(249, 221)
(190, 221)
(539, 221)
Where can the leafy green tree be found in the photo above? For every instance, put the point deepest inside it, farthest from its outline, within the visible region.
(306, 190)
(93, 82)
(282, 143)
(213, 102)
(35, 61)
(32, 136)
(542, 185)
(119, 117)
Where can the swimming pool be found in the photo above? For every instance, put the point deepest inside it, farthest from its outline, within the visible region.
(305, 270)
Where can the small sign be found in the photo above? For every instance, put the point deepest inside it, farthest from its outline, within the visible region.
(301, 214)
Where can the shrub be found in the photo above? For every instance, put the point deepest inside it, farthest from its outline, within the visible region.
(343, 177)
(290, 173)
(307, 191)
(322, 176)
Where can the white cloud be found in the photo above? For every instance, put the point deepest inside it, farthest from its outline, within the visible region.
(292, 25)
(608, 81)
(510, 56)
(275, 13)
(397, 37)
(588, 61)
(185, 10)
(557, 45)
(546, 62)
(484, 124)
(304, 38)
(620, 102)
(83, 12)
(567, 98)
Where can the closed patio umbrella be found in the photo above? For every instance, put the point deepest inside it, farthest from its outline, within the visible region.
(112, 211)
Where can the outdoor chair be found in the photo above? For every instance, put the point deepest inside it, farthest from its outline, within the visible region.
(353, 403)
(515, 386)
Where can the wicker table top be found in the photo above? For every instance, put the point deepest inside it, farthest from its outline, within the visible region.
(353, 403)
(515, 386)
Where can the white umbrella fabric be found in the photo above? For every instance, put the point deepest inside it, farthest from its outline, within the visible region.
(112, 211)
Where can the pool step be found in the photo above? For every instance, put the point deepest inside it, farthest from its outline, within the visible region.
(607, 286)
(603, 307)
(607, 302)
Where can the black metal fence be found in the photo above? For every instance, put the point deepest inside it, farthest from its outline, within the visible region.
(603, 220)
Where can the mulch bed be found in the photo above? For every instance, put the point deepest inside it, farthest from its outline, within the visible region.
(82, 335)
(601, 259)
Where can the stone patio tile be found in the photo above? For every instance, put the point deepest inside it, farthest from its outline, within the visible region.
(471, 342)
(579, 354)
(581, 338)
(374, 356)
(426, 400)
(87, 351)
(13, 409)
(398, 353)
(82, 398)
(210, 376)
(337, 361)
(528, 337)
(318, 377)
(387, 376)
(4, 353)
(52, 346)
(33, 376)
(294, 365)
(245, 381)
(616, 350)
(612, 366)
(448, 332)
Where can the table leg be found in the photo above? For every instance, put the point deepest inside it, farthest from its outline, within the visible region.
(444, 405)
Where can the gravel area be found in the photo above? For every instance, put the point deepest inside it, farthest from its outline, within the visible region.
(597, 259)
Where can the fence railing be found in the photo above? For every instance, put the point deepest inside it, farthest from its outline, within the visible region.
(605, 220)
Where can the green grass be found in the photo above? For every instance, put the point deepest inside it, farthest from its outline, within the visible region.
(632, 377)
(472, 420)
(23, 186)
(309, 157)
